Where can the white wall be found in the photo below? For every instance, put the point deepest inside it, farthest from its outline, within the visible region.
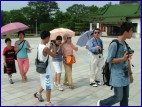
(138, 33)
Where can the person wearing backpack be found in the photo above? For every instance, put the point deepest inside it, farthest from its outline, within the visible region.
(121, 74)
(95, 46)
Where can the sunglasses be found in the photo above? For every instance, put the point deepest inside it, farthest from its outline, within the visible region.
(97, 32)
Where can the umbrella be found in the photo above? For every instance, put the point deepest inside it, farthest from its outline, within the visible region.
(62, 32)
(13, 28)
(84, 38)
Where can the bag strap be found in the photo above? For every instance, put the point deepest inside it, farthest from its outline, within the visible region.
(21, 47)
(117, 42)
(127, 45)
(40, 61)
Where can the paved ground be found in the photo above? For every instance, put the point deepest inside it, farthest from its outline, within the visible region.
(83, 94)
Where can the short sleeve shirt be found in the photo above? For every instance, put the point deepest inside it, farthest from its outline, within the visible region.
(119, 71)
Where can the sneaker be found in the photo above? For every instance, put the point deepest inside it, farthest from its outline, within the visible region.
(98, 82)
(11, 81)
(95, 85)
(60, 87)
(98, 103)
(39, 96)
(92, 84)
(55, 84)
(49, 104)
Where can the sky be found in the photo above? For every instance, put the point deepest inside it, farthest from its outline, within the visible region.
(63, 5)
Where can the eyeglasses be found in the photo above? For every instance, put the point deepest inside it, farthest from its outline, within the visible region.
(97, 32)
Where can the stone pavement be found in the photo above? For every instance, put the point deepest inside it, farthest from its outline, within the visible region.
(22, 93)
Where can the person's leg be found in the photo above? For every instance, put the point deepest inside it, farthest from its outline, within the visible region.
(21, 68)
(65, 79)
(59, 71)
(59, 82)
(48, 95)
(124, 101)
(69, 75)
(59, 78)
(55, 80)
(26, 67)
(55, 77)
(93, 67)
(39, 94)
(98, 74)
(10, 78)
(118, 95)
(48, 87)
(40, 90)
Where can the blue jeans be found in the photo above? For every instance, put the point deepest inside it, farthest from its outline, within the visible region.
(121, 94)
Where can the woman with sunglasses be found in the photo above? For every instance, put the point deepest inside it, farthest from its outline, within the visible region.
(67, 50)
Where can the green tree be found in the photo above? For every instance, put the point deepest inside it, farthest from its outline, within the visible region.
(46, 26)
(43, 11)
(16, 16)
(5, 18)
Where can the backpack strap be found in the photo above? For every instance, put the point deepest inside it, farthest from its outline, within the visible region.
(117, 42)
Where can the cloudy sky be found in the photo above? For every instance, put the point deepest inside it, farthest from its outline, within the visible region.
(63, 5)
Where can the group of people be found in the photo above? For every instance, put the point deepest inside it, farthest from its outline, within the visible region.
(18, 52)
(119, 64)
(59, 51)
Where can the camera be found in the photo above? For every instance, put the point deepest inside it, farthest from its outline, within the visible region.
(130, 51)
(53, 42)
(100, 51)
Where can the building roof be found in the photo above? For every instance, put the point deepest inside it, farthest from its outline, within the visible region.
(119, 12)
(113, 20)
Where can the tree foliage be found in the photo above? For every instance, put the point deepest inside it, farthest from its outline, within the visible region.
(48, 16)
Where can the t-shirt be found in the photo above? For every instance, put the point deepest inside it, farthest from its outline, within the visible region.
(9, 53)
(59, 55)
(67, 49)
(119, 71)
(23, 52)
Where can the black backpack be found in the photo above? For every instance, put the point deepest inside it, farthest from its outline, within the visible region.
(106, 71)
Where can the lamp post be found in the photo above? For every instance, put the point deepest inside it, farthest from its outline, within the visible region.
(90, 26)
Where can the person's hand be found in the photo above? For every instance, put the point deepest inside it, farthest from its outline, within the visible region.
(29, 49)
(125, 57)
(131, 78)
(98, 47)
(51, 45)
